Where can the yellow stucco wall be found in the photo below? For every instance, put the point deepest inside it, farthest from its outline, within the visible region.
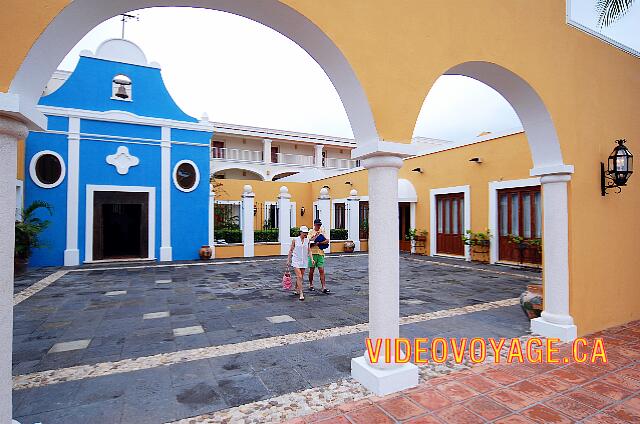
(230, 251)
(267, 249)
(21, 152)
(399, 48)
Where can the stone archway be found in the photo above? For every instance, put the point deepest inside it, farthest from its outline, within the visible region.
(548, 164)
(18, 107)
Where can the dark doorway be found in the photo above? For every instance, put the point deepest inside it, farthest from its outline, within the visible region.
(450, 220)
(520, 216)
(404, 212)
(120, 225)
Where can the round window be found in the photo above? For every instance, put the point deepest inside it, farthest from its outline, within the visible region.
(186, 176)
(47, 169)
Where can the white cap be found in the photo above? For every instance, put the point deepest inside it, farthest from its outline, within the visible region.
(304, 229)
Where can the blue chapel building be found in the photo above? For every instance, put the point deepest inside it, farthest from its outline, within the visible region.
(125, 169)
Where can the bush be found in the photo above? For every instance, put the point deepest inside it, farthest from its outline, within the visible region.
(294, 232)
(228, 235)
(338, 234)
(266, 236)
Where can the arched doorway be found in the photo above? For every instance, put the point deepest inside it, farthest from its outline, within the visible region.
(553, 175)
(238, 173)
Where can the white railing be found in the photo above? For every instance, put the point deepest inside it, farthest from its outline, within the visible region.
(340, 163)
(292, 159)
(225, 153)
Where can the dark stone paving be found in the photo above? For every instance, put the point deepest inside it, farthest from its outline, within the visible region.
(231, 302)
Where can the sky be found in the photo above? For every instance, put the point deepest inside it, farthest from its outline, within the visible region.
(239, 71)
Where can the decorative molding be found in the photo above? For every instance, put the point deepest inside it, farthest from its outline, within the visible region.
(71, 253)
(122, 160)
(32, 169)
(175, 179)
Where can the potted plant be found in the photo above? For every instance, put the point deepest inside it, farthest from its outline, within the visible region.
(480, 243)
(531, 301)
(524, 244)
(28, 230)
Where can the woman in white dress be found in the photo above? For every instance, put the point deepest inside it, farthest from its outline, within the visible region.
(299, 257)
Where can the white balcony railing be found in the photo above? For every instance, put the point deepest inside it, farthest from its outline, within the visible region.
(226, 153)
(340, 163)
(292, 159)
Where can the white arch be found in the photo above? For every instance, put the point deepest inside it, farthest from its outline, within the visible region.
(535, 118)
(406, 191)
(80, 16)
(251, 170)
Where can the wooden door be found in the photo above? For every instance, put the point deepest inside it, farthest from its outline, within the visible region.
(450, 224)
(404, 213)
(519, 214)
(274, 154)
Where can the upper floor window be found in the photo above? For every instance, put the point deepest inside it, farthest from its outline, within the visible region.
(47, 169)
(121, 88)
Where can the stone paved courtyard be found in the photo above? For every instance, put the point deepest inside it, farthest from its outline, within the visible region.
(152, 344)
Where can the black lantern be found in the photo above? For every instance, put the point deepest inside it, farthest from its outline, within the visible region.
(619, 168)
(302, 210)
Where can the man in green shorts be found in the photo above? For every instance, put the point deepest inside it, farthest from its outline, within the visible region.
(318, 255)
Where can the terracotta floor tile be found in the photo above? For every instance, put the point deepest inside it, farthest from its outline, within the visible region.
(633, 402)
(426, 419)
(295, 421)
(457, 414)
(350, 406)
(533, 390)
(479, 383)
(430, 399)
(621, 382)
(486, 408)
(442, 379)
(369, 415)
(624, 412)
(456, 391)
(500, 376)
(588, 370)
(540, 367)
(631, 373)
(334, 420)
(603, 419)
(546, 415)
(513, 419)
(571, 407)
(571, 377)
(401, 408)
(607, 390)
(511, 399)
(322, 415)
(549, 381)
(590, 398)
(521, 371)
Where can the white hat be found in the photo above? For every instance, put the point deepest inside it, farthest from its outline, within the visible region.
(304, 229)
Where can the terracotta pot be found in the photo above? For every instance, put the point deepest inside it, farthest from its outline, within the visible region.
(205, 252)
(20, 265)
(531, 301)
(349, 246)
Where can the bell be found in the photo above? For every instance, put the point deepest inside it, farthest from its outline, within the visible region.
(122, 92)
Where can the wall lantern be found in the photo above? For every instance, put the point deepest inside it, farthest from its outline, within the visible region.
(302, 210)
(418, 170)
(619, 168)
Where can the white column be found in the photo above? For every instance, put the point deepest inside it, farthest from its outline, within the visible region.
(284, 220)
(556, 320)
(72, 253)
(266, 150)
(10, 132)
(248, 197)
(384, 279)
(318, 155)
(166, 252)
(324, 211)
(212, 240)
(353, 220)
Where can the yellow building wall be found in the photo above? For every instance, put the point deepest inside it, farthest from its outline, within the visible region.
(266, 249)
(21, 156)
(399, 48)
(231, 251)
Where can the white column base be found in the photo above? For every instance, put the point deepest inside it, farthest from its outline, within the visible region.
(166, 254)
(564, 332)
(71, 257)
(384, 381)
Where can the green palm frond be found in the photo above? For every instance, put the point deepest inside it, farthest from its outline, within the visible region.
(610, 11)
